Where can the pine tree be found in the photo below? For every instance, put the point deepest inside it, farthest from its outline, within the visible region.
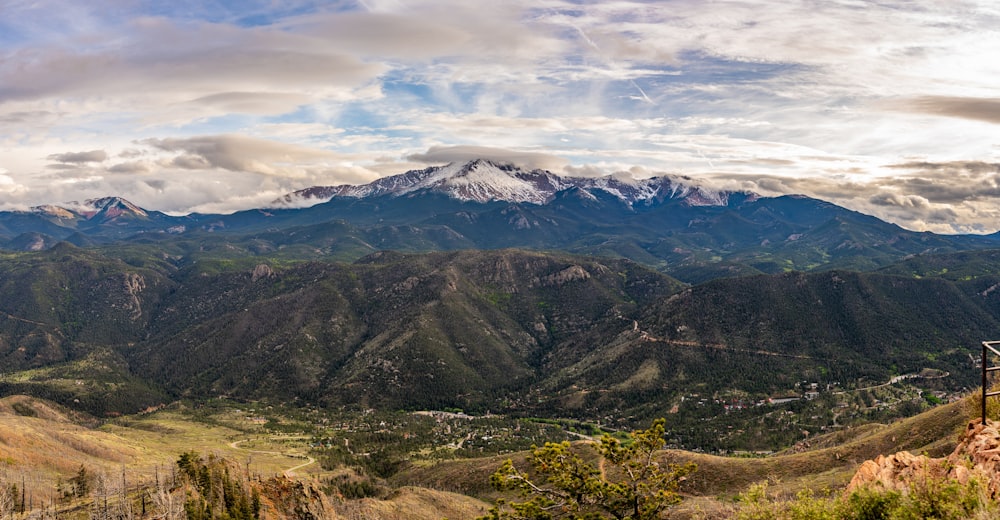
(628, 484)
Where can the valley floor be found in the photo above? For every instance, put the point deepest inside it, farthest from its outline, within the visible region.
(391, 463)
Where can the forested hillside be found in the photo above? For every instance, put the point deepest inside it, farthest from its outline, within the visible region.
(510, 331)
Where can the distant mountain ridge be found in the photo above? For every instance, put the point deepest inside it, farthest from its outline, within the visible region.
(668, 223)
(103, 209)
(488, 181)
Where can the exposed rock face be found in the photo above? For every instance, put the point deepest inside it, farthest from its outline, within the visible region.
(294, 499)
(977, 455)
(134, 285)
(572, 273)
(261, 271)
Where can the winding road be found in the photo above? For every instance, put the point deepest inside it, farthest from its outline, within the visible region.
(288, 473)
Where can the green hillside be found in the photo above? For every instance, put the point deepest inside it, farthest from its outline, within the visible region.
(525, 333)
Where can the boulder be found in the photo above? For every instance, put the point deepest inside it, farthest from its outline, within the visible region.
(977, 455)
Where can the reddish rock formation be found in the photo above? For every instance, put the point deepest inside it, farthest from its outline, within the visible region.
(977, 455)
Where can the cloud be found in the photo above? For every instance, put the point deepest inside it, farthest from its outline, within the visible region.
(131, 153)
(164, 71)
(80, 157)
(20, 118)
(977, 167)
(977, 109)
(249, 102)
(132, 167)
(189, 162)
(449, 154)
(590, 170)
(780, 97)
(944, 197)
(374, 34)
(239, 153)
(950, 182)
(899, 200)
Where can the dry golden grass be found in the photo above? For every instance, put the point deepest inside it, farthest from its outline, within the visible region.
(162, 436)
(50, 446)
(46, 444)
(934, 432)
(414, 503)
(711, 490)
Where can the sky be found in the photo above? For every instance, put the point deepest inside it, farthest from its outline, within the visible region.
(891, 108)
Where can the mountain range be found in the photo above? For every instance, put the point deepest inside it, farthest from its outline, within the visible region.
(752, 324)
(116, 330)
(668, 223)
(490, 288)
(486, 181)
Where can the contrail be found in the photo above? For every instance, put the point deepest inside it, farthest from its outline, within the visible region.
(600, 53)
(703, 156)
(643, 92)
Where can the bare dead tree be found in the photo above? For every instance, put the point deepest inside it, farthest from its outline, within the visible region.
(166, 505)
(110, 499)
(7, 501)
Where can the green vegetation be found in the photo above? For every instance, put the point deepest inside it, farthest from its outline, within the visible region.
(216, 494)
(377, 455)
(597, 341)
(927, 498)
(627, 483)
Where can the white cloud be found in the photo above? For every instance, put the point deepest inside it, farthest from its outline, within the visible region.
(817, 97)
(449, 154)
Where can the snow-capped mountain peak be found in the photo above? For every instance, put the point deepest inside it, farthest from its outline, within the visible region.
(483, 181)
(105, 208)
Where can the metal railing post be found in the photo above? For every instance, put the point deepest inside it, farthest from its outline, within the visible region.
(988, 346)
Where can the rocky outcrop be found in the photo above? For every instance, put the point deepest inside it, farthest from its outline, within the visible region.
(573, 273)
(287, 498)
(977, 455)
(261, 271)
(134, 285)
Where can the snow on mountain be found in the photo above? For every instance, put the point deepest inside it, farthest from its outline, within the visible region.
(111, 207)
(484, 181)
(106, 208)
(54, 211)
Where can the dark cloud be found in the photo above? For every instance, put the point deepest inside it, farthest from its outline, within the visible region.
(952, 191)
(898, 200)
(19, 118)
(236, 153)
(131, 153)
(63, 166)
(80, 157)
(948, 182)
(969, 166)
(190, 162)
(586, 171)
(944, 215)
(765, 161)
(449, 154)
(130, 167)
(384, 34)
(942, 197)
(979, 109)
